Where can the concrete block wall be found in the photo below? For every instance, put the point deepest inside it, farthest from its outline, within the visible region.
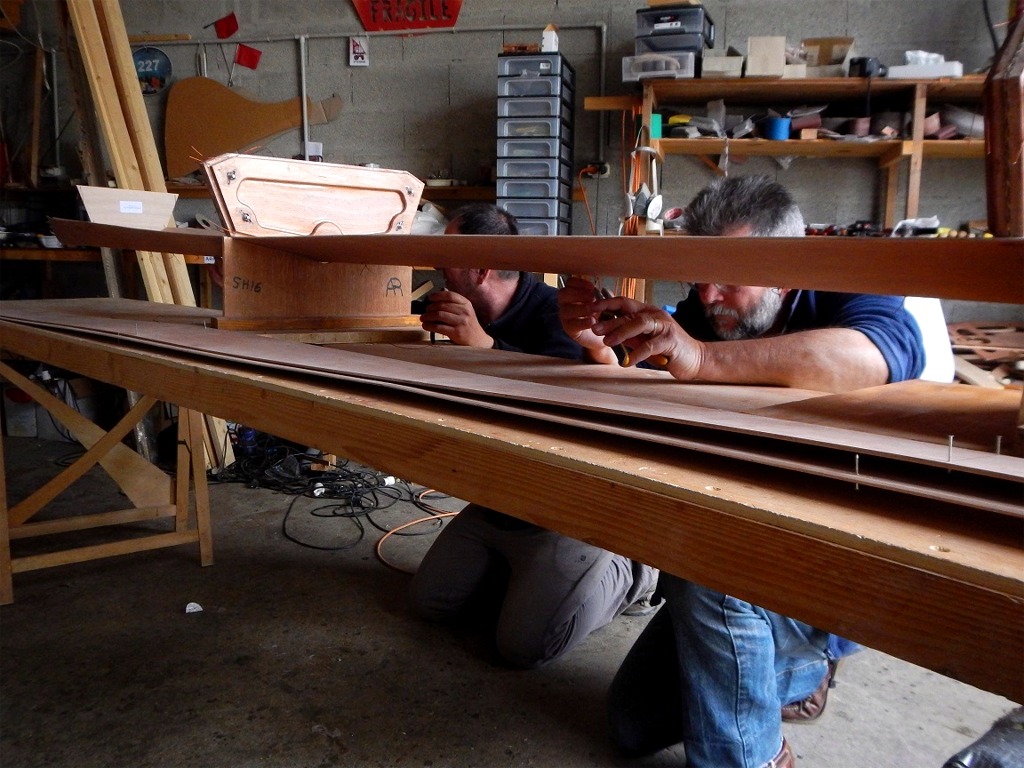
(426, 103)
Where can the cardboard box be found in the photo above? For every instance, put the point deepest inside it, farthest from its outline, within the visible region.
(828, 56)
(790, 71)
(766, 56)
(722, 66)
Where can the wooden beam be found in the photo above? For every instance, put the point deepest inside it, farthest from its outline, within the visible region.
(126, 80)
(119, 143)
(37, 118)
(1004, 136)
(970, 268)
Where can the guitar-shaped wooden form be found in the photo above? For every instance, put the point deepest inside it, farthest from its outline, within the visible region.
(205, 119)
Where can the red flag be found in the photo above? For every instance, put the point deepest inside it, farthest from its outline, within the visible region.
(247, 57)
(225, 27)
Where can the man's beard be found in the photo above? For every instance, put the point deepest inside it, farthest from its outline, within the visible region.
(752, 323)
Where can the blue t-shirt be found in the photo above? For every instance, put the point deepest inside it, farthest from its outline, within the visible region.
(883, 319)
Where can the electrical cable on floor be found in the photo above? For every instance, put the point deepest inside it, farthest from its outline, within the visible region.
(355, 494)
(382, 539)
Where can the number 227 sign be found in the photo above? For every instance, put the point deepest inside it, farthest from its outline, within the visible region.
(392, 15)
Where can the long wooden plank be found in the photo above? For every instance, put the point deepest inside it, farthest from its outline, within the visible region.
(911, 579)
(119, 144)
(990, 269)
(677, 423)
(1004, 136)
(126, 80)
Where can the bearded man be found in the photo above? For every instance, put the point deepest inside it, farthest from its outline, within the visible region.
(711, 671)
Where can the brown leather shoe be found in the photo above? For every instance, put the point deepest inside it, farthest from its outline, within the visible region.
(782, 760)
(809, 709)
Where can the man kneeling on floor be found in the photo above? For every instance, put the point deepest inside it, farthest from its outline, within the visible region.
(550, 591)
(711, 670)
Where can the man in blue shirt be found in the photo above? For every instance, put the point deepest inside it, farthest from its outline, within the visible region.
(552, 591)
(711, 670)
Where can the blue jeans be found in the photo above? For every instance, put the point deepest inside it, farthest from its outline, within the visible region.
(713, 672)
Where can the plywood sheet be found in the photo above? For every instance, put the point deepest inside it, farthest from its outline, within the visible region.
(911, 466)
(977, 418)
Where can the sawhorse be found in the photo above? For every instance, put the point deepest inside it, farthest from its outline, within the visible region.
(153, 493)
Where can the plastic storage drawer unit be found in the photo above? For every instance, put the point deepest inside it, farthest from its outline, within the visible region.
(675, 20)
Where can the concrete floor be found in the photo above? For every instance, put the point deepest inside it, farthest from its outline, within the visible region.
(305, 657)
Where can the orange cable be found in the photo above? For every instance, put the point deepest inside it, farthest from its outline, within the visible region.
(586, 203)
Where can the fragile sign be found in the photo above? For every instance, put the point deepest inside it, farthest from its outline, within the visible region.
(391, 15)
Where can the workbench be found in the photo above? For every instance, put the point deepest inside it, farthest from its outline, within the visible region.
(622, 459)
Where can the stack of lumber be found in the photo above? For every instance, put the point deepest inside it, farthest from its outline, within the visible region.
(113, 83)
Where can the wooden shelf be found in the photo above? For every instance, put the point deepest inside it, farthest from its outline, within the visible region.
(913, 97)
(770, 148)
(803, 90)
(460, 193)
(49, 254)
(190, 191)
(75, 254)
(886, 150)
(954, 148)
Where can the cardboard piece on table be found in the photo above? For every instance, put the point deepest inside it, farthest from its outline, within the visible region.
(128, 207)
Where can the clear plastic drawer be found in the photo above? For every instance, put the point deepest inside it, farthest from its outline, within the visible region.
(547, 147)
(541, 85)
(543, 227)
(534, 188)
(533, 168)
(534, 65)
(533, 127)
(535, 106)
(536, 208)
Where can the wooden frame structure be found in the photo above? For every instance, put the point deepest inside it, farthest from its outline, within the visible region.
(154, 494)
(908, 576)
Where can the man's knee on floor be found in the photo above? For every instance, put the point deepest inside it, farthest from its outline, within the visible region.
(429, 605)
(526, 652)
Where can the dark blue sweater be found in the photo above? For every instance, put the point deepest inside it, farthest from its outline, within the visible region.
(881, 318)
(531, 324)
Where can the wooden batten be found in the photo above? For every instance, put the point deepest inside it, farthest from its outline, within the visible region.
(1004, 137)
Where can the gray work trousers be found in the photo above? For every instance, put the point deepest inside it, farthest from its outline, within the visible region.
(559, 589)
